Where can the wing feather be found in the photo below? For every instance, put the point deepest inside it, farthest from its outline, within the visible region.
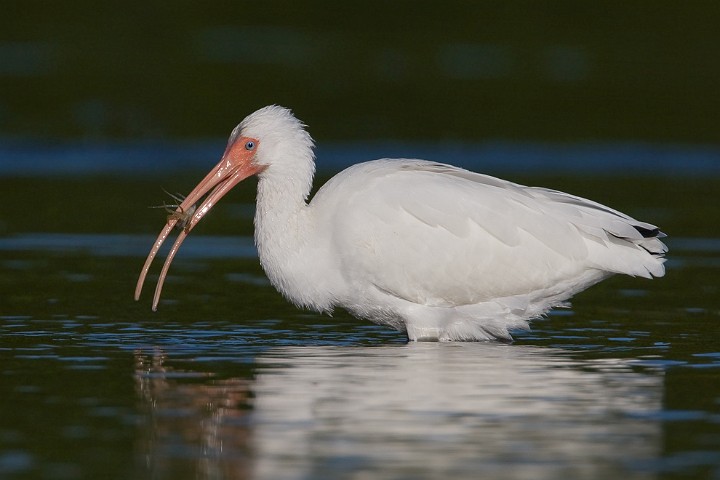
(438, 235)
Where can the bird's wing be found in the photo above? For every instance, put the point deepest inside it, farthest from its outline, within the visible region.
(438, 235)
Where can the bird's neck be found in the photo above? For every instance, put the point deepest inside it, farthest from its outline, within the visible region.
(283, 225)
(280, 206)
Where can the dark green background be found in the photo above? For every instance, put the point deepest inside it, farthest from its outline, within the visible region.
(547, 70)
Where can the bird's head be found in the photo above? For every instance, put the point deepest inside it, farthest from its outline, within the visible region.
(279, 138)
(270, 139)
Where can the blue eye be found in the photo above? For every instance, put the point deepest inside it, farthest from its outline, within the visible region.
(249, 145)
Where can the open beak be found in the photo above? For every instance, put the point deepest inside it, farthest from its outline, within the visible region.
(235, 166)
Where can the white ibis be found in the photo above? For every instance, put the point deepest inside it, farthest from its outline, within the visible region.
(436, 251)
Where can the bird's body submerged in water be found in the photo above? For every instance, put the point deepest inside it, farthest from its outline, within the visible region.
(427, 248)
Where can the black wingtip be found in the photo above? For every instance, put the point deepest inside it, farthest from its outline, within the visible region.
(649, 232)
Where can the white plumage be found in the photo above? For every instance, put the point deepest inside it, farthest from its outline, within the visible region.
(437, 251)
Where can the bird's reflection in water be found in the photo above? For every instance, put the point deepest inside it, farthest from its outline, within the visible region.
(446, 410)
(194, 425)
(419, 410)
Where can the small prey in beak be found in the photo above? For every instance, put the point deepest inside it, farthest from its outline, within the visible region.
(237, 163)
(176, 212)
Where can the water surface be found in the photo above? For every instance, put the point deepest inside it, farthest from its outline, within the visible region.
(227, 380)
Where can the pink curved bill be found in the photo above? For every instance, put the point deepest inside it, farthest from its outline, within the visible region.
(235, 166)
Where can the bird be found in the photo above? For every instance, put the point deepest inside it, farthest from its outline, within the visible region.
(436, 251)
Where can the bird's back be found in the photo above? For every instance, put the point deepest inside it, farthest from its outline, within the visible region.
(439, 236)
